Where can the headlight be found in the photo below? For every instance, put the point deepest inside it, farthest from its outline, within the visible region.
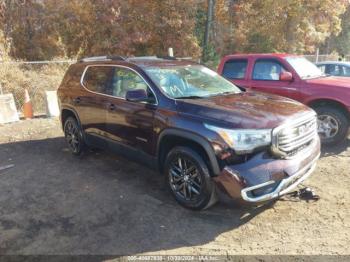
(243, 140)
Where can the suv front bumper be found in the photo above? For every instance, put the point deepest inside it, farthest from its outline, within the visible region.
(263, 178)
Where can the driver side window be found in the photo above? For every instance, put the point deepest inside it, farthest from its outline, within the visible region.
(124, 80)
(267, 69)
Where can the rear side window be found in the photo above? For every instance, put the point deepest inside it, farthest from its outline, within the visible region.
(98, 78)
(235, 69)
(267, 69)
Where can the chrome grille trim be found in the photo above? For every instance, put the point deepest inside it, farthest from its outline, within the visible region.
(287, 140)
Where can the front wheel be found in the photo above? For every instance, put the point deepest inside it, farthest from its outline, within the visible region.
(189, 178)
(333, 125)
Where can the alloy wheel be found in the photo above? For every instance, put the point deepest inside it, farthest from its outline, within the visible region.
(185, 179)
(72, 136)
(328, 126)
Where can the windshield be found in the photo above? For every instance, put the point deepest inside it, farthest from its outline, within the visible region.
(190, 81)
(304, 68)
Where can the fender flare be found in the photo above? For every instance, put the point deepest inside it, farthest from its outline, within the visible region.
(73, 111)
(333, 101)
(196, 138)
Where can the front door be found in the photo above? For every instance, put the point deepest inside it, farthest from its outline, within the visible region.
(130, 124)
(265, 78)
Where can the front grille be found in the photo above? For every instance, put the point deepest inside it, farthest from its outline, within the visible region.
(290, 139)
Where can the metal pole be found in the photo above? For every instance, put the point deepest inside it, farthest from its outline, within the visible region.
(317, 53)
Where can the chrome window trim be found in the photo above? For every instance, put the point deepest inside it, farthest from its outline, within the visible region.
(121, 98)
(275, 131)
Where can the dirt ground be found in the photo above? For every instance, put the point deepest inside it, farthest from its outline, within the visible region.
(54, 203)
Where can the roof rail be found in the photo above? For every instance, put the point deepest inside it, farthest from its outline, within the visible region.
(102, 58)
(167, 57)
(153, 57)
(121, 58)
(141, 57)
(175, 58)
(116, 57)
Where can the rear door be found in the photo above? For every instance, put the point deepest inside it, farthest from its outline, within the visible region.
(235, 70)
(92, 103)
(265, 78)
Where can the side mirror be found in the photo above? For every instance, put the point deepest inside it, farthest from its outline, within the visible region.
(137, 95)
(286, 76)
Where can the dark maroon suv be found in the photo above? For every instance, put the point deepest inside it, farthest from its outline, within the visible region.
(198, 129)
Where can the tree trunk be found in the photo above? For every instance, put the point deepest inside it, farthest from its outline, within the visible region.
(290, 36)
(208, 26)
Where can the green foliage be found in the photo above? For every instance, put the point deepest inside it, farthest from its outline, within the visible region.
(199, 29)
(210, 56)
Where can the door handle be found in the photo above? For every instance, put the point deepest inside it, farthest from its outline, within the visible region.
(77, 100)
(112, 107)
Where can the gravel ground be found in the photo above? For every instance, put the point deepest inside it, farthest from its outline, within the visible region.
(54, 203)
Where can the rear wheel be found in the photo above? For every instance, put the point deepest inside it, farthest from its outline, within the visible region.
(74, 136)
(189, 178)
(333, 125)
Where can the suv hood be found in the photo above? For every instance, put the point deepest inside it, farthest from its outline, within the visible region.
(243, 110)
(334, 81)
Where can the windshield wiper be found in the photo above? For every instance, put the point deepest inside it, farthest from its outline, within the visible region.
(224, 93)
(188, 97)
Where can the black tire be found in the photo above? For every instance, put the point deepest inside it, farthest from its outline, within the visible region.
(74, 136)
(197, 184)
(336, 117)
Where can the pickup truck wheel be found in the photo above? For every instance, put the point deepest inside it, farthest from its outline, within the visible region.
(333, 125)
(189, 179)
(73, 135)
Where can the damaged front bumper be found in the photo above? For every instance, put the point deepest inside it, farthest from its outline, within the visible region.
(264, 178)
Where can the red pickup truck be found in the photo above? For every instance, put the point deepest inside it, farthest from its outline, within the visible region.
(297, 78)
